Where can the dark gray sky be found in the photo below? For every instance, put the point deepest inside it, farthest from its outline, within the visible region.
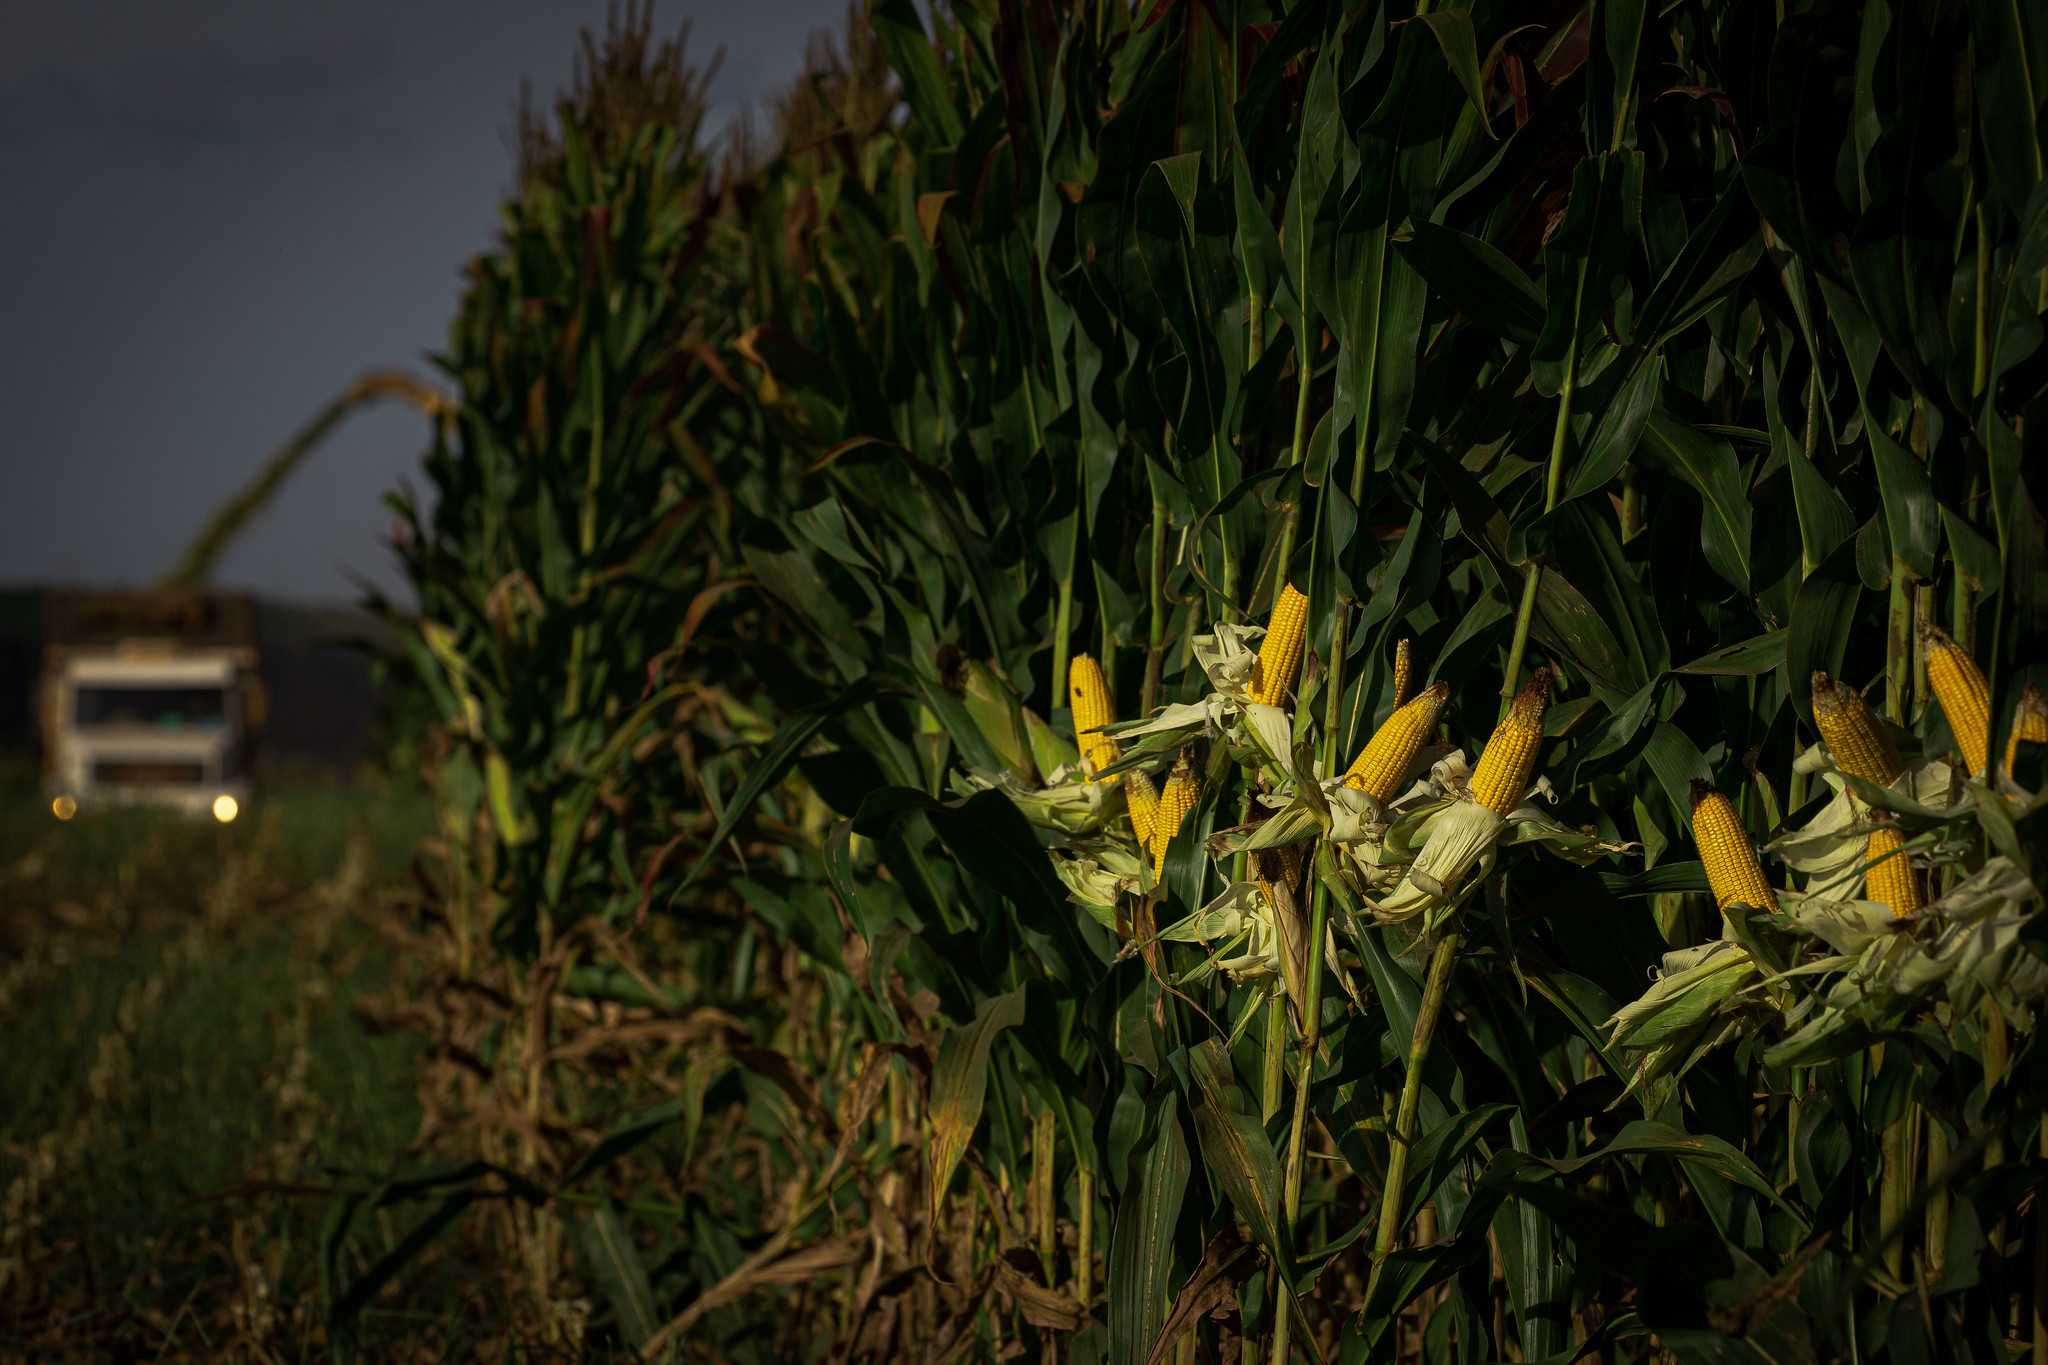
(214, 213)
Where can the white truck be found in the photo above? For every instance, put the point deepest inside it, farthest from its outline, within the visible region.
(150, 697)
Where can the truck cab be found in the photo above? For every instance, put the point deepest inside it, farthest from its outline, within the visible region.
(150, 698)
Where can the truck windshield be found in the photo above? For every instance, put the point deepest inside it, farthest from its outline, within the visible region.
(163, 707)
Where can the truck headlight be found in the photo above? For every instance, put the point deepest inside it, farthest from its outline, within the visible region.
(225, 808)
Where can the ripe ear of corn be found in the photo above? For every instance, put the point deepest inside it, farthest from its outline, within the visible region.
(2029, 723)
(1142, 800)
(1730, 858)
(1183, 790)
(1088, 694)
(1855, 740)
(1510, 758)
(1280, 651)
(1892, 882)
(1404, 672)
(1960, 687)
(1385, 759)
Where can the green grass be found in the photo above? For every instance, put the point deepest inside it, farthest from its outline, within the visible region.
(182, 1072)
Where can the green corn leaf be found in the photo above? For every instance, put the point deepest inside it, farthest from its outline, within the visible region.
(1477, 280)
(1141, 1244)
(780, 756)
(615, 1264)
(959, 1081)
(1710, 467)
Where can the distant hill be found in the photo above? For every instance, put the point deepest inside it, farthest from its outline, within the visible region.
(317, 663)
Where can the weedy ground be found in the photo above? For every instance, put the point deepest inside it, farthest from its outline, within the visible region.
(182, 1077)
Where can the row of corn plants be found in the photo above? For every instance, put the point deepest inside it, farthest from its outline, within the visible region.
(1376, 687)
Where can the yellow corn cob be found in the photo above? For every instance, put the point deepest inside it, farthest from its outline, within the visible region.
(1893, 882)
(1959, 686)
(2029, 723)
(1732, 869)
(1280, 652)
(1088, 694)
(1142, 798)
(1384, 761)
(1290, 866)
(1510, 759)
(1404, 674)
(1183, 789)
(1855, 740)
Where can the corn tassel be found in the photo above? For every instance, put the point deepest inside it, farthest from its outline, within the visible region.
(1855, 740)
(1280, 652)
(1892, 882)
(1510, 759)
(1384, 761)
(1732, 868)
(1404, 673)
(1183, 790)
(1142, 799)
(1088, 694)
(2029, 724)
(1960, 688)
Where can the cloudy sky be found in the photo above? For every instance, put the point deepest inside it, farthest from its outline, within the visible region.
(214, 213)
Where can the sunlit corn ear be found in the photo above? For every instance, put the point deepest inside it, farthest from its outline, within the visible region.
(1509, 761)
(1960, 688)
(998, 714)
(2029, 724)
(1183, 790)
(1098, 874)
(1855, 740)
(1142, 800)
(1888, 874)
(1385, 760)
(1460, 850)
(1404, 672)
(1732, 869)
(1230, 661)
(1280, 653)
(1088, 694)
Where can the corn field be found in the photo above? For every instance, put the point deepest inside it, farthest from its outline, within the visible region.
(1222, 681)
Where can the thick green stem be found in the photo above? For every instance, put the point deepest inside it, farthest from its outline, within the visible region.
(1552, 479)
(1155, 654)
(1062, 627)
(1292, 520)
(1403, 1135)
(1807, 562)
(1898, 671)
(1084, 1238)
(1312, 1029)
(1981, 333)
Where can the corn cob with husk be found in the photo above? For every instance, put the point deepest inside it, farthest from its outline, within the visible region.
(2029, 724)
(1888, 875)
(1141, 798)
(1088, 694)
(1509, 761)
(1280, 652)
(1960, 688)
(1404, 672)
(1386, 758)
(1855, 740)
(1463, 836)
(1183, 790)
(1732, 869)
